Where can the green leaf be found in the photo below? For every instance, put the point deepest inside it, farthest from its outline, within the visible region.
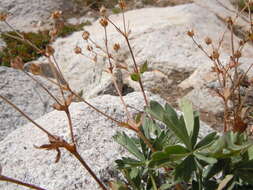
(244, 170)
(250, 153)
(144, 67)
(185, 170)
(156, 110)
(135, 76)
(214, 169)
(114, 185)
(195, 133)
(179, 129)
(205, 158)
(207, 140)
(186, 108)
(129, 144)
(224, 182)
(129, 163)
(170, 154)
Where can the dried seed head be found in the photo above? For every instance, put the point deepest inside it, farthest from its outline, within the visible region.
(53, 33)
(103, 11)
(229, 20)
(122, 4)
(89, 48)
(56, 14)
(78, 50)
(238, 54)
(3, 17)
(215, 54)
(17, 63)
(35, 69)
(190, 33)
(86, 35)
(242, 42)
(116, 47)
(103, 22)
(208, 41)
(49, 51)
(95, 58)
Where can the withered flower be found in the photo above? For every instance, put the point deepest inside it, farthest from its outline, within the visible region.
(238, 54)
(122, 4)
(49, 51)
(103, 22)
(35, 69)
(17, 63)
(78, 50)
(89, 48)
(116, 47)
(3, 17)
(86, 35)
(190, 33)
(215, 54)
(208, 41)
(56, 14)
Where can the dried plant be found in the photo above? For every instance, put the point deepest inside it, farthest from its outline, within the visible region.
(234, 85)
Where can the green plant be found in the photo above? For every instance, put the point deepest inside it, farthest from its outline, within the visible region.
(180, 158)
(15, 47)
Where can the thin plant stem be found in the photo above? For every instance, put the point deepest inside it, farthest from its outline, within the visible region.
(113, 77)
(27, 117)
(70, 126)
(18, 182)
(85, 165)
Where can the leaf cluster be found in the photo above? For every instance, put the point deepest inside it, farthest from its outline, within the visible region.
(181, 158)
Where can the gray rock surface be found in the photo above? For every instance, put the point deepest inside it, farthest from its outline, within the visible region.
(26, 94)
(26, 15)
(93, 132)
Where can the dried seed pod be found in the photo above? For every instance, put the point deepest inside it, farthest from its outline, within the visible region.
(49, 51)
(238, 54)
(103, 22)
(78, 50)
(190, 33)
(35, 69)
(56, 14)
(17, 63)
(89, 48)
(208, 41)
(86, 35)
(116, 47)
(122, 4)
(229, 20)
(3, 17)
(215, 54)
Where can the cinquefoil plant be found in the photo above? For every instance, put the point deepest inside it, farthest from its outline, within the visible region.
(182, 160)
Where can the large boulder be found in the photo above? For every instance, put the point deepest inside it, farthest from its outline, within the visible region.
(26, 94)
(93, 133)
(162, 41)
(28, 15)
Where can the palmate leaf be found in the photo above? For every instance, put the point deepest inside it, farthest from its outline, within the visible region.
(207, 140)
(129, 144)
(244, 170)
(115, 185)
(186, 108)
(185, 170)
(156, 110)
(129, 163)
(168, 155)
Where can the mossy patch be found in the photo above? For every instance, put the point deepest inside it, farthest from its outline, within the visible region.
(41, 39)
(241, 5)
